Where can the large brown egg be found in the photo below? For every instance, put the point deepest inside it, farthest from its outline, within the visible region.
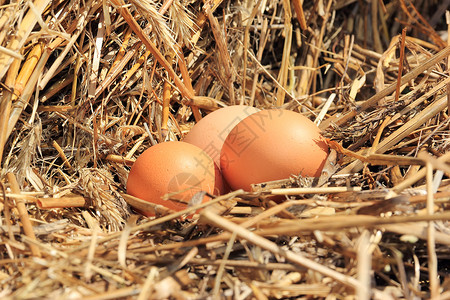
(210, 132)
(168, 168)
(272, 145)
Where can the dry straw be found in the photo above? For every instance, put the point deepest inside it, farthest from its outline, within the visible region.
(87, 86)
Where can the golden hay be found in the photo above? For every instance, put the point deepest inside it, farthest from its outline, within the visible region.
(86, 86)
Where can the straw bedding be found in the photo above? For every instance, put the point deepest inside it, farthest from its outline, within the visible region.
(86, 86)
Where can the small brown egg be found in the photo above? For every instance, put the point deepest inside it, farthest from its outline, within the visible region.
(272, 145)
(168, 168)
(210, 132)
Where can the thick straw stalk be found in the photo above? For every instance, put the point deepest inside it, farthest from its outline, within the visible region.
(23, 214)
(24, 30)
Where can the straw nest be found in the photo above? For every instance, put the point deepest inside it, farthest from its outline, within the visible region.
(86, 86)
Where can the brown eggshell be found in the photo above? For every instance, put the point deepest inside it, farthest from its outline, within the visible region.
(210, 132)
(220, 186)
(171, 167)
(272, 145)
